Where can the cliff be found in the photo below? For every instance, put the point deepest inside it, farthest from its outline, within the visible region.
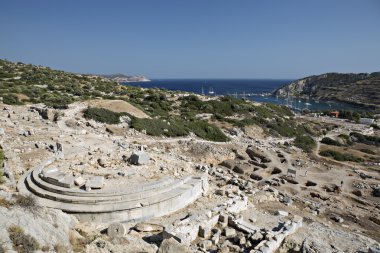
(361, 89)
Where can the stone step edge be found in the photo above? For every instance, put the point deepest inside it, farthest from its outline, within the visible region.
(39, 191)
(112, 207)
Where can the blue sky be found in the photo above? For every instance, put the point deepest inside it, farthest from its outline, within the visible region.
(194, 39)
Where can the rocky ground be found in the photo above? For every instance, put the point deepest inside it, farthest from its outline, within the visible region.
(253, 204)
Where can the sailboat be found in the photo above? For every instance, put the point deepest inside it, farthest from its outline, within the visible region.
(211, 91)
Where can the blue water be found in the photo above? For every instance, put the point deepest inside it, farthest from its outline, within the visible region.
(251, 88)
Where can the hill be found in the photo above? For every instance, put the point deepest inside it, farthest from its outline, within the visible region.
(360, 89)
(26, 83)
(121, 78)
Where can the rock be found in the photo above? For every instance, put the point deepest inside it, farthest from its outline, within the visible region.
(125, 119)
(95, 182)
(256, 237)
(282, 213)
(238, 169)
(276, 170)
(287, 200)
(148, 227)
(374, 250)
(337, 218)
(172, 246)
(310, 183)
(102, 162)
(79, 181)
(253, 153)
(204, 231)
(229, 232)
(139, 158)
(376, 192)
(205, 244)
(48, 226)
(236, 132)
(228, 163)
(256, 177)
(357, 192)
(216, 236)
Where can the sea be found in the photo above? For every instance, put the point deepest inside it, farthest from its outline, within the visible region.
(253, 89)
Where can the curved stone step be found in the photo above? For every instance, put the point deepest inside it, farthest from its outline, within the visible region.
(142, 189)
(37, 190)
(100, 207)
(102, 192)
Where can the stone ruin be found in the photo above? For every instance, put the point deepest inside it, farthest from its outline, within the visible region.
(89, 200)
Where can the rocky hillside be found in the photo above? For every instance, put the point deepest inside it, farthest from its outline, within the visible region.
(121, 78)
(26, 83)
(361, 89)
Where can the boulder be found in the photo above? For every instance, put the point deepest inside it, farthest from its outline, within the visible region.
(229, 232)
(139, 158)
(172, 246)
(148, 227)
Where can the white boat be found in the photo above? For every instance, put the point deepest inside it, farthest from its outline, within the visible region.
(211, 91)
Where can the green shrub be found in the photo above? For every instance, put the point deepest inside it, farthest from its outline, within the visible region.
(158, 127)
(175, 127)
(329, 141)
(11, 99)
(206, 131)
(340, 156)
(368, 151)
(366, 139)
(22, 242)
(102, 115)
(305, 142)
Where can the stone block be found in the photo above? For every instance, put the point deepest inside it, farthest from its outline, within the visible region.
(204, 231)
(282, 213)
(229, 232)
(96, 182)
(139, 158)
(79, 181)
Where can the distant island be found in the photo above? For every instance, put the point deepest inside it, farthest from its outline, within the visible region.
(361, 89)
(121, 78)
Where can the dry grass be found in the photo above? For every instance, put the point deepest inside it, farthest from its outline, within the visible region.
(78, 243)
(27, 202)
(5, 203)
(22, 242)
(59, 248)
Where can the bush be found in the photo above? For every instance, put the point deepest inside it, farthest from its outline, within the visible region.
(329, 141)
(11, 99)
(158, 127)
(21, 242)
(5, 203)
(175, 127)
(305, 142)
(366, 139)
(368, 151)
(340, 156)
(102, 115)
(207, 131)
